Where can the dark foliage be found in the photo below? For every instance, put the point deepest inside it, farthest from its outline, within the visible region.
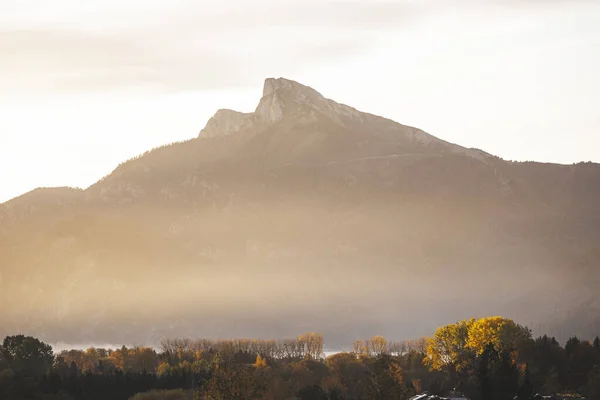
(236, 370)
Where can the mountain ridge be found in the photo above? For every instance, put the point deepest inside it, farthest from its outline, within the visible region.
(270, 87)
(263, 210)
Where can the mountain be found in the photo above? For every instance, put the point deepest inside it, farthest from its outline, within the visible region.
(303, 215)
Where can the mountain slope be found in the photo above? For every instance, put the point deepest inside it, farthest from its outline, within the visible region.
(306, 214)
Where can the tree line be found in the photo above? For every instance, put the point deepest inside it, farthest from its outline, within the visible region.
(490, 358)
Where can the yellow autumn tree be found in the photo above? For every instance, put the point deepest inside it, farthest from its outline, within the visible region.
(503, 333)
(453, 347)
(260, 362)
(448, 349)
(119, 358)
(90, 359)
(164, 369)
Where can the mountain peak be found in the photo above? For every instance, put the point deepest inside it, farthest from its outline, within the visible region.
(283, 97)
(280, 97)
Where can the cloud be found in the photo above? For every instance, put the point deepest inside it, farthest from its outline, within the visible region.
(61, 60)
(186, 46)
(353, 15)
(192, 45)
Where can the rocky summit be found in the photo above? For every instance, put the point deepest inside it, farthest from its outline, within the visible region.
(306, 214)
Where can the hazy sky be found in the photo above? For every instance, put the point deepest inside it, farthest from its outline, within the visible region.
(87, 84)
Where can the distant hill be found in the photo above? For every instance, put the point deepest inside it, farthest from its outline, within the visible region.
(304, 215)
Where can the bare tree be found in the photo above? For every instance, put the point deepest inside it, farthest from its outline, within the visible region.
(312, 344)
(359, 347)
(377, 346)
(397, 348)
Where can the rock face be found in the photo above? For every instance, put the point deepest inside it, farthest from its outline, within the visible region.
(305, 214)
(224, 123)
(284, 97)
(281, 97)
(290, 106)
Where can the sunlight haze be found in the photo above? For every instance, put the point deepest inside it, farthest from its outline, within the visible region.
(299, 199)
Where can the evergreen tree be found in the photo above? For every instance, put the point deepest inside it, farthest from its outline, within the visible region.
(526, 391)
(505, 377)
(484, 384)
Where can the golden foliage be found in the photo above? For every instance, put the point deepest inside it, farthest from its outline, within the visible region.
(503, 333)
(164, 369)
(454, 346)
(260, 362)
(448, 347)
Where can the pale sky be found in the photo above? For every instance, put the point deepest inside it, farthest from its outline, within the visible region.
(87, 84)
